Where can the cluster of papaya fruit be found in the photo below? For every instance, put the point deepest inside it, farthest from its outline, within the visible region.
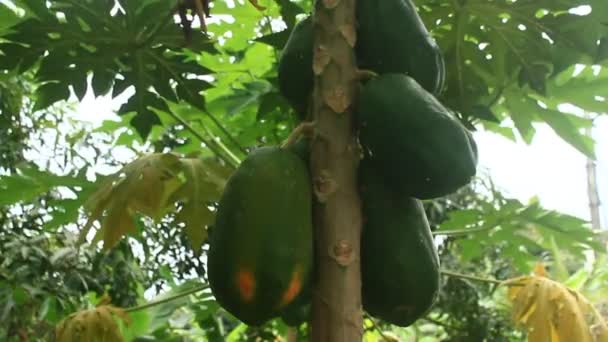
(261, 254)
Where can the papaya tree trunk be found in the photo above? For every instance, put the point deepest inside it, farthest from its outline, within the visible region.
(336, 313)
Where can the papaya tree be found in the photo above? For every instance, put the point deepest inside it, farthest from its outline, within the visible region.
(298, 168)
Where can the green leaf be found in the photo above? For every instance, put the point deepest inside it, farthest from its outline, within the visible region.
(29, 183)
(125, 43)
(289, 11)
(50, 93)
(8, 18)
(142, 103)
(522, 112)
(570, 128)
(276, 40)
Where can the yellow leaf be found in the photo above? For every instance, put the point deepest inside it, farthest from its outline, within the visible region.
(551, 312)
(143, 186)
(204, 182)
(540, 270)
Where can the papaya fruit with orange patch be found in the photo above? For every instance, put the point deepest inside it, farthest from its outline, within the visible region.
(261, 247)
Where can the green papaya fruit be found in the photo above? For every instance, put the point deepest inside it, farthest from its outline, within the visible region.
(298, 312)
(413, 139)
(295, 67)
(391, 38)
(260, 250)
(399, 263)
(302, 149)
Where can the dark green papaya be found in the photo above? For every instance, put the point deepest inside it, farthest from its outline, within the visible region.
(413, 139)
(399, 263)
(391, 38)
(295, 67)
(298, 312)
(302, 149)
(260, 252)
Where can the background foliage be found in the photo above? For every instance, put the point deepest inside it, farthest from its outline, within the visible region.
(202, 104)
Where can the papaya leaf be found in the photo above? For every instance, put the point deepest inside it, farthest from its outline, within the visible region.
(128, 48)
(518, 231)
(585, 89)
(204, 183)
(569, 127)
(29, 182)
(552, 312)
(511, 45)
(143, 186)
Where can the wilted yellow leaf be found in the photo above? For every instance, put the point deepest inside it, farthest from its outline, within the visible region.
(95, 325)
(149, 185)
(540, 270)
(143, 186)
(551, 312)
(204, 184)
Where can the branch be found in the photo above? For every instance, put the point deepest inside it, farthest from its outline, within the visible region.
(168, 299)
(475, 278)
(466, 231)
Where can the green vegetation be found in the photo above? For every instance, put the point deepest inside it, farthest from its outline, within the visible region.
(120, 128)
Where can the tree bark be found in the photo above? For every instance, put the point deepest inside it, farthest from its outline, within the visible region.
(594, 198)
(592, 193)
(336, 312)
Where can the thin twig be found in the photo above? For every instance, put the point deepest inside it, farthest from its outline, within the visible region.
(466, 231)
(471, 277)
(168, 299)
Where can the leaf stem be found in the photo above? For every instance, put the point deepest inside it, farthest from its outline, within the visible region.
(480, 279)
(158, 27)
(224, 130)
(466, 231)
(233, 160)
(168, 299)
(180, 80)
(305, 128)
(470, 277)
